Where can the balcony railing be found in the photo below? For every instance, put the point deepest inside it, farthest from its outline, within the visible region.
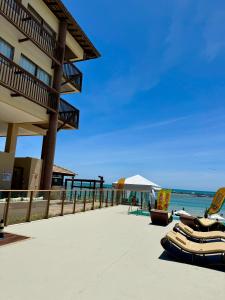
(73, 75)
(24, 84)
(68, 114)
(20, 17)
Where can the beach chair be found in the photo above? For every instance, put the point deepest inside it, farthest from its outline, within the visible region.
(203, 254)
(160, 217)
(202, 224)
(199, 236)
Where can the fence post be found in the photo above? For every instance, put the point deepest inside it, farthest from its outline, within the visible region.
(118, 197)
(6, 212)
(122, 197)
(63, 201)
(74, 203)
(112, 197)
(107, 198)
(71, 195)
(30, 207)
(93, 200)
(48, 205)
(141, 200)
(85, 195)
(100, 198)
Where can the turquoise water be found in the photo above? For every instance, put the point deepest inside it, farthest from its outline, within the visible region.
(194, 202)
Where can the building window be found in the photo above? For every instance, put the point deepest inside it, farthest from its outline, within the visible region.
(6, 49)
(35, 70)
(40, 20)
(28, 65)
(57, 180)
(43, 76)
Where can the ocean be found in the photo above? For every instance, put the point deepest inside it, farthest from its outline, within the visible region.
(194, 202)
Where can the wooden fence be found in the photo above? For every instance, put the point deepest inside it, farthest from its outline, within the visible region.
(25, 206)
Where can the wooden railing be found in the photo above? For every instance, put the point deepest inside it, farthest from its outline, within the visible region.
(73, 75)
(22, 83)
(26, 206)
(25, 22)
(68, 114)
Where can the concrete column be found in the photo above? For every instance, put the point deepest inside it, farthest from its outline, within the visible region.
(49, 142)
(11, 139)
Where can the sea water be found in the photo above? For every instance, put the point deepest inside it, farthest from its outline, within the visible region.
(194, 202)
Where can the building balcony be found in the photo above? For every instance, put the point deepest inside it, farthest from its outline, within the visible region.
(24, 84)
(24, 21)
(68, 115)
(73, 79)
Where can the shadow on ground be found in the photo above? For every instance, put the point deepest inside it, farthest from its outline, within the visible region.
(157, 225)
(165, 256)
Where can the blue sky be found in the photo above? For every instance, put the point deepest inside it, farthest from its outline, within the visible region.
(153, 104)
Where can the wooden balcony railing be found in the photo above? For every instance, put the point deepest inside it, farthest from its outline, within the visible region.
(24, 21)
(73, 75)
(68, 114)
(24, 84)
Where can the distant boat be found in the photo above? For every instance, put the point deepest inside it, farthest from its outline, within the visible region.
(216, 217)
(181, 212)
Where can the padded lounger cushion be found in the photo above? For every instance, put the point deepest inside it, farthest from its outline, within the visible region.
(209, 254)
(198, 234)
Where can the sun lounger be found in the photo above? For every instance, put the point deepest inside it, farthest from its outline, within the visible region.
(201, 224)
(160, 217)
(205, 254)
(199, 236)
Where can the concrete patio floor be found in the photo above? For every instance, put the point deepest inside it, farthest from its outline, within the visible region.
(101, 254)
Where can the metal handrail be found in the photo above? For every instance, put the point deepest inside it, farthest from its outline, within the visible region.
(73, 75)
(69, 114)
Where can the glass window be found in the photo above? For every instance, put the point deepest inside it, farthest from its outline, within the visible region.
(6, 49)
(43, 76)
(28, 65)
(57, 180)
(32, 68)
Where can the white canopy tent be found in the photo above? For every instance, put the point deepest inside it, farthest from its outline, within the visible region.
(139, 183)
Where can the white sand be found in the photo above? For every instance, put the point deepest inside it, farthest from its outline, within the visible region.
(102, 254)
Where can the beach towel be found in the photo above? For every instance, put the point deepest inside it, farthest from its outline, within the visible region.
(217, 202)
(120, 184)
(163, 200)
